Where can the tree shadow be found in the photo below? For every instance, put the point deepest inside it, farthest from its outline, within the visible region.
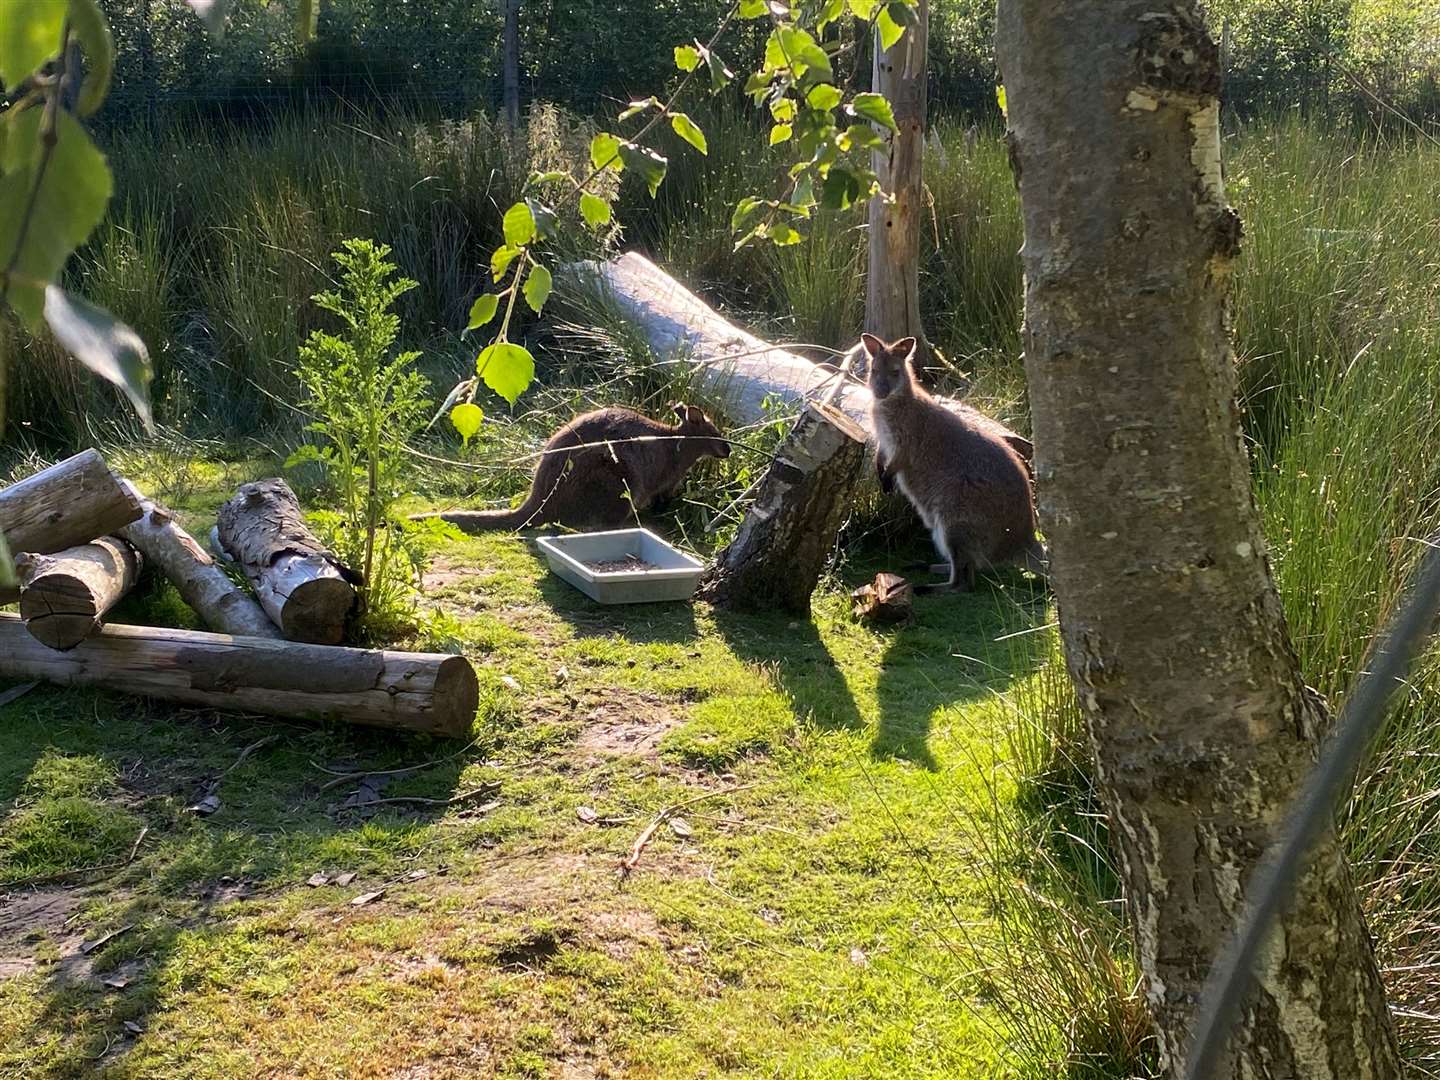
(190, 876)
(805, 669)
(959, 648)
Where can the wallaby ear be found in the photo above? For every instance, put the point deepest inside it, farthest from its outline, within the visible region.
(680, 410)
(904, 347)
(873, 345)
(694, 414)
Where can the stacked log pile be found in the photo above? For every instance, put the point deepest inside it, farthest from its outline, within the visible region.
(79, 537)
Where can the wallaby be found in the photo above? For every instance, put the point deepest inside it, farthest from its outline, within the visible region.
(965, 481)
(623, 462)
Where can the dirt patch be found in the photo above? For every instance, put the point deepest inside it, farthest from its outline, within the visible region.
(27, 919)
(627, 723)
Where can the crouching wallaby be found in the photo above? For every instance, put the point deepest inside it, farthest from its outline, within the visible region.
(604, 466)
(965, 481)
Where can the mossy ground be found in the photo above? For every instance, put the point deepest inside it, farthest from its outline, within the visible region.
(818, 922)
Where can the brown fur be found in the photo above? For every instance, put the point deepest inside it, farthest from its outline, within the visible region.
(960, 474)
(603, 486)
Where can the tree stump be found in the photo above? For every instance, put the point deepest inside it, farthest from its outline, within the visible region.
(67, 504)
(304, 588)
(202, 584)
(65, 596)
(421, 692)
(776, 559)
(887, 599)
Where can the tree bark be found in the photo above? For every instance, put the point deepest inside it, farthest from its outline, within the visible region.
(777, 557)
(202, 584)
(892, 285)
(67, 504)
(66, 595)
(302, 585)
(1202, 727)
(421, 692)
(511, 63)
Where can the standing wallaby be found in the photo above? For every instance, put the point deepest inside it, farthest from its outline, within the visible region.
(622, 462)
(965, 481)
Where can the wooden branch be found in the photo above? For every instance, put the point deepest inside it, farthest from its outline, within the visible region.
(785, 541)
(67, 504)
(301, 584)
(204, 586)
(66, 595)
(422, 692)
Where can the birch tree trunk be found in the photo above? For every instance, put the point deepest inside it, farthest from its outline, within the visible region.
(1173, 631)
(892, 288)
(510, 62)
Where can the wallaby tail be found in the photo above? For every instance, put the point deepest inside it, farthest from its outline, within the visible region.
(479, 521)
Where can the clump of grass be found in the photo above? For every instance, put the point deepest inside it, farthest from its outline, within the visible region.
(62, 821)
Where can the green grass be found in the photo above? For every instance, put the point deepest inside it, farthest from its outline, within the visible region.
(820, 922)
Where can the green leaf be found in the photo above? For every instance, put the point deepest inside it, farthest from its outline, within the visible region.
(605, 152)
(595, 210)
(757, 83)
(690, 131)
(841, 189)
(860, 137)
(212, 14)
(823, 96)
(307, 19)
(832, 10)
(875, 108)
(482, 311)
(806, 52)
(745, 211)
(554, 177)
(782, 234)
(507, 369)
(519, 225)
(890, 31)
(1000, 100)
(780, 133)
(687, 57)
(639, 107)
(720, 75)
(863, 9)
(650, 165)
(28, 37)
(537, 287)
(753, 9)
(103, 344)
(500, 261)
(783, 110)
(545, 219)
(804, 196)
(93, 32)
(467, 418)
(71, 200)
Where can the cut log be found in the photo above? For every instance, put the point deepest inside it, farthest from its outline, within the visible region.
(301, 584)
(421, 692)
(67, 504)
(732, 364)
(204, 586)
(66, 595)
(777, 557)
(887, 599)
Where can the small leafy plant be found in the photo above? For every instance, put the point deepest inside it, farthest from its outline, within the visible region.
(367, 405)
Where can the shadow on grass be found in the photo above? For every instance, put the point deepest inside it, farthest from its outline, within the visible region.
(663, 623)
(187, 879)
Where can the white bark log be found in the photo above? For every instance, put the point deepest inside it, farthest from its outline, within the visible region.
(66, 595)
(422, 692)
(67, 504)
(732, 364)
(302, 586)
(202, 584)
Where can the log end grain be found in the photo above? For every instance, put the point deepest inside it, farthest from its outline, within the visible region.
(316, 611)
(456, 697)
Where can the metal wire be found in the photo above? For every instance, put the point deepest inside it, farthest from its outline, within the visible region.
(1273, 885)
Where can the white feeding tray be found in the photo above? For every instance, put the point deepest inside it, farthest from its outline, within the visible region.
(625, 566)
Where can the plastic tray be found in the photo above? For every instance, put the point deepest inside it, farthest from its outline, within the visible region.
(675, 577)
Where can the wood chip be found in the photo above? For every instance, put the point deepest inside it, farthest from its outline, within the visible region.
(366, 897)
(681, 828)
(317, 879)
(345, 879)
(510, 683)
(206, 806)
(417, 875)
(115, 982)
(587, 814)
(90, 946)
(133, 1028)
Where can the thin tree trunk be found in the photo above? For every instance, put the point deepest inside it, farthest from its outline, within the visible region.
(1173, 631)
(892, 297)
(511, 63)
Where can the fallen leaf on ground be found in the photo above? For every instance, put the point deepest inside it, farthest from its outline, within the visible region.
(133, 1028)
(90, 946)
(366, 897)
(858, 957)
(206, 806)
(587, 815)
(510, 683)
(115, 982)
(417, 875)
(317, 879)
(345, 879)
(681, 828)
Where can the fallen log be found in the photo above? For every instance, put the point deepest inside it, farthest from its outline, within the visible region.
(304, 588)
(420, 692)
(733, 364)
(67, 504)
(65, 596)
(785, 541)
(204, 586)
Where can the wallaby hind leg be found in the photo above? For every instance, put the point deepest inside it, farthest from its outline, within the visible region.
(956, 547)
